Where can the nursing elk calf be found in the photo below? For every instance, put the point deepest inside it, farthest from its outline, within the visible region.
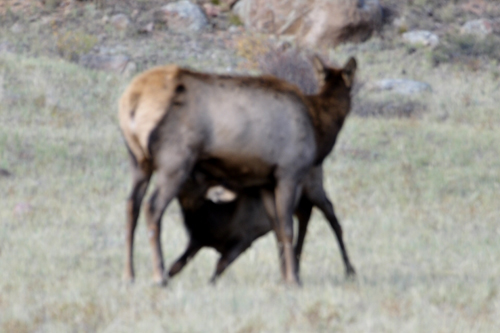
(243, 131)
(229, 222)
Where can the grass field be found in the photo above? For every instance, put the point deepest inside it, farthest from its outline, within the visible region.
(418, 198)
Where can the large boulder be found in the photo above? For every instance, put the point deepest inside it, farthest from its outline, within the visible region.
(480, 28)
(314, 22)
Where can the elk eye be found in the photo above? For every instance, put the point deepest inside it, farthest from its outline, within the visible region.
(180, 89)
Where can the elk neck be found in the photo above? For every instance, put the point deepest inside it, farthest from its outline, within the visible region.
(328, 111)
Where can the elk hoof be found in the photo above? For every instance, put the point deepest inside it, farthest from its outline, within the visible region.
(160, 281)
(293, 282)
(350, 273)
(128, 278)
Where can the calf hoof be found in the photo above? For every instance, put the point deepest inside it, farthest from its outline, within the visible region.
(213, 280)
(176, 268)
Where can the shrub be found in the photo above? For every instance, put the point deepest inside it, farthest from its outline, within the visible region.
(252, 47)
(72, 44)
(465, 48)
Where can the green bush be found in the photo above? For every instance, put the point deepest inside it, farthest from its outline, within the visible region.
(72, 44)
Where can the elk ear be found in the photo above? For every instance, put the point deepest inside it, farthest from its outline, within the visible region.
(348, 72)
(319, 69)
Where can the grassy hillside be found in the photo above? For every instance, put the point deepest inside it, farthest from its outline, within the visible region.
(417, 196)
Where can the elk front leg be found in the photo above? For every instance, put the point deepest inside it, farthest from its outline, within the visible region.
(319, 198)
(285, 199)
(140, 181)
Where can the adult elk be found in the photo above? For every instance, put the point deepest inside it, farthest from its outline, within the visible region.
(245, 131)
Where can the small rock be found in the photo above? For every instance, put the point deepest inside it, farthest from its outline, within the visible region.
(22, 208)
(5, 173)
(211, 10)
(130, 69)
(480, 28)
(108, 63)
(146, 29)
(400, 23)
(135, 14)
(421, 37)
(235, 29)
(5, 47)
(17, 28)
(182, 16)
(120, 21)
(401, 86)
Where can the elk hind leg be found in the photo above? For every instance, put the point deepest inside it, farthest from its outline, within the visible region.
(170, 179)
(141, 174)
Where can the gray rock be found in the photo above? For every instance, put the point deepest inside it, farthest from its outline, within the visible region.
(17, 28)
(109, 63)
(23, 208)
(5, 173)
(182, 16)
(120, 21)
(400, 23)
(480, 28)
(421, 37)
(401, 86)
(146, 28)
(5, 48)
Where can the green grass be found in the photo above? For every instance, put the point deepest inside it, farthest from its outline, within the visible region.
(417, 197)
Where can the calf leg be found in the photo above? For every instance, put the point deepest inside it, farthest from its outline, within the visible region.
(179, 264)
(318, 197)
(227, 258)
(140, 180)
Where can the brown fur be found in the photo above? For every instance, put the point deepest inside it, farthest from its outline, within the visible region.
(243, 131)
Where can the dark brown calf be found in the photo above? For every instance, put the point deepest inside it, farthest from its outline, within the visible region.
(231, 227)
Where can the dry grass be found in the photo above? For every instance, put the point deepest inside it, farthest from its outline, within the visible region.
(418, 199)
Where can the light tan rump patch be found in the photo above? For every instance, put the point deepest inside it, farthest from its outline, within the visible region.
(143, 105)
